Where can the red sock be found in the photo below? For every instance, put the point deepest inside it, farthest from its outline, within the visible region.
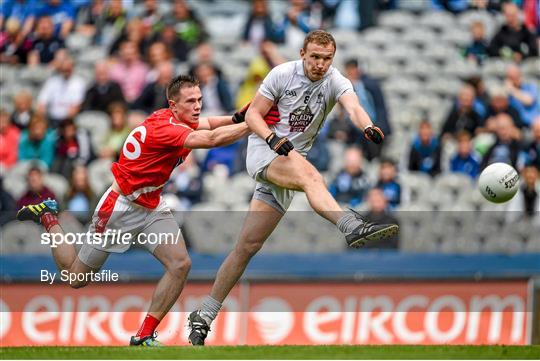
(48, 220)
(148, 326)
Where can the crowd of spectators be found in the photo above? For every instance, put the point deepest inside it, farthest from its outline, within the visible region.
(146, 47)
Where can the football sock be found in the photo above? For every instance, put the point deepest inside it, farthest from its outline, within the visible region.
(348, 223)
(148, 326)
(48, 220)
(209, 310)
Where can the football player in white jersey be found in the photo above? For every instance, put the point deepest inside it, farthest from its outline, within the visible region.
(304, 91)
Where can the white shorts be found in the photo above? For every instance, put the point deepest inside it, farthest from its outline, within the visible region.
(127, 224)
(259, 157)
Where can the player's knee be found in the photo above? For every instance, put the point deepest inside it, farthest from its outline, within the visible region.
(180, 265)
(249, 248)
(311, 177)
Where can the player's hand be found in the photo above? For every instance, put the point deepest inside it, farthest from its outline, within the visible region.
(281, 146)
(240, 116)
(272, 117)
(374, 134)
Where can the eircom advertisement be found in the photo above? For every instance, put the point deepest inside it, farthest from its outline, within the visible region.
(276, 313)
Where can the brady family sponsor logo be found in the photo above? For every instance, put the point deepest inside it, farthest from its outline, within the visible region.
(300, 119)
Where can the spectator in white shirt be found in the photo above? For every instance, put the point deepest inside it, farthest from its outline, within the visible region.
(62, 94)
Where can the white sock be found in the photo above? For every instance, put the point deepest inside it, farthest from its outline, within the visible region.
(210, 309)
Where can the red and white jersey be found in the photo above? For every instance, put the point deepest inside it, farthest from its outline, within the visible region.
(149, 155)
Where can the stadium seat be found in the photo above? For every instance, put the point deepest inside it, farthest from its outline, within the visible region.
(8, 91)
(533, 243)
(397, 146)
(289, 53)
(208, 236)
(381, 69)
(417, 5)
(416, 184)
(418, 36)
(417, 242)
(99, 175)
(336, 149)
(97, 123)
(461, 245)
(403, 85)
(217, 187)
(35, 75)
(21, 238)
(457, 36)
(244, 185)
(407, 119)
(531, 67)
(15, 178)
(90, 55)
(461, 68)
(425, 101)
(454, 184)
(495, 67)
(347, 38)
(57, 184)
(438, 20)
(208, 206)
(77, 41)
(86, 72)
(502, 243)
(242, 55)
(523, 229)
(441, 51)
(397, 19)
(399, 51)
(379, 37)
(444, 86)
(220, 27)
(421, 68)
(8, 73)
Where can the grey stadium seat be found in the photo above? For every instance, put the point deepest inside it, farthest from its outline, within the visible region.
(396, 19)
(439, 20)
(35, 75)
(97, 123)
(15, 179)
(56, 183)
(99, 175)
(18, 237)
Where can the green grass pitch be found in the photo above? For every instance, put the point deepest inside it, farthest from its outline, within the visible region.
(275, 352)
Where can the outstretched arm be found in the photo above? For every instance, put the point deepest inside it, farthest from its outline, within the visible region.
(358, 115)
(221, 121)
(360, 118)
(215, 138)
(214, 122)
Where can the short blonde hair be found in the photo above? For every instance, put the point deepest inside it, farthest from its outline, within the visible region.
(319, 37)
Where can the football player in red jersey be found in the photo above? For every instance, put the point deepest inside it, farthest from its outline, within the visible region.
(133, 204)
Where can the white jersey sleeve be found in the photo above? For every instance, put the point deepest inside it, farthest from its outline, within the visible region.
(273, 84)
(339, 85)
